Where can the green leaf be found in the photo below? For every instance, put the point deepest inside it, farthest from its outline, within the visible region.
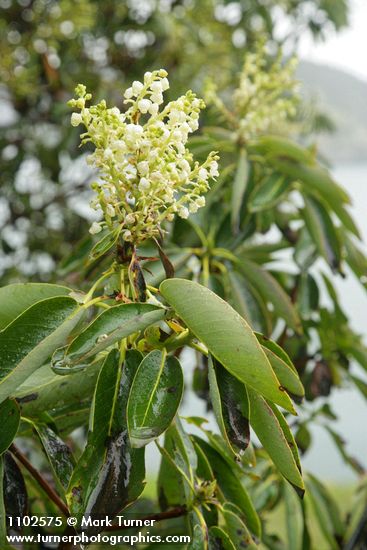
(219, 540)
(314, 178)
(45, 390)
(274, 146)
(154, 398)
(323, 232)
(270, 433)
(230, 404)
(283, 367)
(238, 189)
(267, 195)
(231, 488)
(9, 423)
(226, 334)
(294, 518)
(104, 244)
(321, 514)
(16, 298)
(247, 301)
(308, 295)
(110, 474)
(237, 530)
(58, 453)
(178, 467)
(110, 326)
(272, 292)
(32, 337)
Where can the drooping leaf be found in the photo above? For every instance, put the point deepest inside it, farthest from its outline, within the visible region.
(248, 302)
(110, 474)
(177, 469)
(323, 232)
(29, 340)
(270, 433)
(322, 515)
(226, 334)
(58, 453)
(15, 491)
(230, 404)
(269, 192)
(16, 298)
(283, 367)
(230, 486)
(110, 326)
(45, 390)
(154, 398)
(237, 530)
(273, 146)
(307, 296)
(294, 518)
(9, 423)
(272, 292)
(219, 539)
(314, 178)
(238, 189)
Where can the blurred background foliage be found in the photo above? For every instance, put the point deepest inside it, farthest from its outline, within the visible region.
(277, 228)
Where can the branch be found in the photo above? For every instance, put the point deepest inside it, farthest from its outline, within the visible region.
(40, 480)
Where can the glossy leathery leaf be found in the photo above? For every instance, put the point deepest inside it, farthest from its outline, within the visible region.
(283, 368)
(267, 195)
(32, 337)
(238, 189)
(247, 301)
(272, 292)
(293, 518)
(110, 474)
(237, 530)
(287, 434)
(16, 298)
(270, 433)
(176, 474)
(15, 491)
(323, 232)
(9, 423)
(226, 334)
(104, 244)
(154, 398)
(45, 390)
(58, 453)
(110, 326)
(231, 407)
(230, 487)
(219, 539)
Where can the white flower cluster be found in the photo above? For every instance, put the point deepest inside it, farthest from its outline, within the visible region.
(147, 173)
(266, 95)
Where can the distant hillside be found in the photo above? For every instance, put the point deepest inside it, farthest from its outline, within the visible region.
(344, 98)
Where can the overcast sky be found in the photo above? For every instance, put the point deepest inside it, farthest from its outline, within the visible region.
(346, 49)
